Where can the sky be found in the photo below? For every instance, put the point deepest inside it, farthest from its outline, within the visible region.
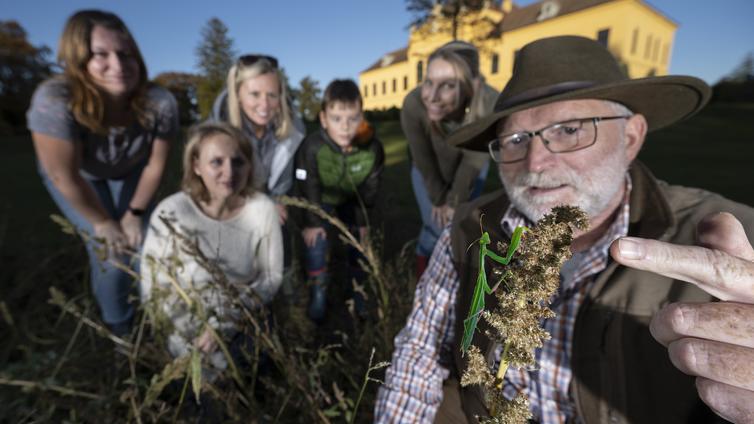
(339, 38)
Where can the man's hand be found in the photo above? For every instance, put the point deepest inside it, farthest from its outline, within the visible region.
(712, 341)
(311, 234)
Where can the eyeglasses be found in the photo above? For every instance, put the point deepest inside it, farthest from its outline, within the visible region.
(250, 59)
(562, 137)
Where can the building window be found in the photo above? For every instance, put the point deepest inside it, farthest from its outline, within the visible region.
(366, 90)
(419, 71)
(602, 36)
(384, 87)
(495, 64)
(665, 53)
(635, 41)
(405, 83)
(395, 85)
(656, 54)
(374, 89)
(648, 47)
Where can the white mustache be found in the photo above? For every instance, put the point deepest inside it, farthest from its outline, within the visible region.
(542, 180)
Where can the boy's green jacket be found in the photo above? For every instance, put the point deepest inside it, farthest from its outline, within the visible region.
(325, 175)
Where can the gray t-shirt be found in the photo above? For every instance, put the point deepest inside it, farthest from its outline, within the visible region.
(109, 156)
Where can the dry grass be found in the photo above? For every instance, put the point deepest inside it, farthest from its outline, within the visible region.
(61, 364)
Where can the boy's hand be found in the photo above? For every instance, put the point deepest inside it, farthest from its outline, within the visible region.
(311, 234)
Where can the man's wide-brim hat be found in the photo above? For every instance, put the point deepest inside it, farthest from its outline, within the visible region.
(569, 68)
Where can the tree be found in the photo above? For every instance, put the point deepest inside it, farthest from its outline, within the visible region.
(184, 88)
(744, 71)
(442, 15)
(22, 67)
(215, 56)
(738, 85)
(309, 98)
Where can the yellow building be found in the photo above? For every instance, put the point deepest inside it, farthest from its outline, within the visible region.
(640, 36)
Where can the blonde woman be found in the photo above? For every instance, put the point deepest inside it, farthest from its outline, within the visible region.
(256, 101)
(452, 94)
(234, 226)
(101, 133)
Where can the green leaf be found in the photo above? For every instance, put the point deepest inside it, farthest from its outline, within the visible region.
(196, 373)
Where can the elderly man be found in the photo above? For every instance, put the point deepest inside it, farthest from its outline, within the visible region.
(566, 130)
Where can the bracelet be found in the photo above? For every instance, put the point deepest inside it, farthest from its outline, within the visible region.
(135, 211)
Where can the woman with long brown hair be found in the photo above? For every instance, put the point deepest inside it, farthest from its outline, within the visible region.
(452, 94)
(101, 133)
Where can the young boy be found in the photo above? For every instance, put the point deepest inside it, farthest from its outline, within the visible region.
(338, 168)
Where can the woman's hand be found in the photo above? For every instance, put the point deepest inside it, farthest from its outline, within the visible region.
(442, 214)
(112, 235)
(131, 225)
(311, 234)
(206, 342)
(282, 212)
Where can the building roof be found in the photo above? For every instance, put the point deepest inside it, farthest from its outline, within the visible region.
(391, 58)
(520, 17)
(527, 15)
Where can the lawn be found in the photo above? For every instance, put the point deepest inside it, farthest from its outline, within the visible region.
(713, 150)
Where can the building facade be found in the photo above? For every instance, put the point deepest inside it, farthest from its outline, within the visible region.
(640, 36)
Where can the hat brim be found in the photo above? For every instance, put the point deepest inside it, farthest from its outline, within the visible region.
(661, 100)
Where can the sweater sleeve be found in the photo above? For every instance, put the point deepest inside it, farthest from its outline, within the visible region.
(268, 253)
(307, 178)
(370, 186)
(418, 136)
(468, 171)
(154, 250)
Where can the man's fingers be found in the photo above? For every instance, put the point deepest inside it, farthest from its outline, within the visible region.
(726, 322)
(729, 402)
(729, 364)
(718, 273)
(722, 231)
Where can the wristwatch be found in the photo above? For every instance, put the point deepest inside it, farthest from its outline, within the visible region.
(135, 211)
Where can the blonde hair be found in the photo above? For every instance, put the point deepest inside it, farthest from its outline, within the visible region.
(238, 74)
(74, 53)
(470, 96)
(192, 183)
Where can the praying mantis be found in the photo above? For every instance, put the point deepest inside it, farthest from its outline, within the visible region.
(482, 288)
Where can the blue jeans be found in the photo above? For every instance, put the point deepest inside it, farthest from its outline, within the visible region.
(317, 255)
(430, 231)
(111, 286)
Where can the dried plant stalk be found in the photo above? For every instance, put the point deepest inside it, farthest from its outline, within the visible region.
(527, 285)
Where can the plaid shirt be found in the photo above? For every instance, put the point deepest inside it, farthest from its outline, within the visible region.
(413, 383)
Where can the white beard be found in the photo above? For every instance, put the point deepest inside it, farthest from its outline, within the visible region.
(591, 191)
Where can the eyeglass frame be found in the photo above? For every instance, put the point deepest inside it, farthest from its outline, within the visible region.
(595, 120)
(250, 59)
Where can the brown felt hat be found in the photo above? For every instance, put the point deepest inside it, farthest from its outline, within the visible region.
(569, 68)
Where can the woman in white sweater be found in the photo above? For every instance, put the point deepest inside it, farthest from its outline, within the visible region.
(236, 232)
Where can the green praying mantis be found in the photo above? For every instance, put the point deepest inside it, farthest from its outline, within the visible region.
(482, 288)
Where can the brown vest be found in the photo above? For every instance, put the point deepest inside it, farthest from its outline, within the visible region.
(620, 373)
